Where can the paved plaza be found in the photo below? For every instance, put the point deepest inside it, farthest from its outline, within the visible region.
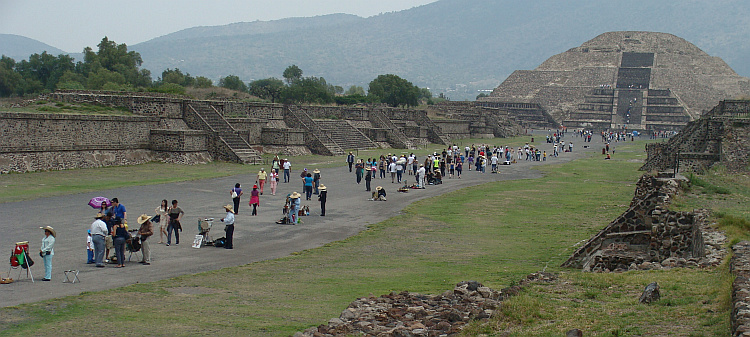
(256, 238)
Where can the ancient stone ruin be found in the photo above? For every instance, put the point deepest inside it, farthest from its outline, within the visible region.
(720, 136)
(650, 236)
(412, 314)
(175, 129)
(632, 80)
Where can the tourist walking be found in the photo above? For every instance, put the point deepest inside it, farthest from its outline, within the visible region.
(316, 181)
(262, 175)
(323, 197)
(228, 221)
(236, 193)
(359, 170)
(308, 180)
(287, 170)
(350, 160)
(175, 215)
(161, 219)
(254, 199)
(47, 251)
(273, 180)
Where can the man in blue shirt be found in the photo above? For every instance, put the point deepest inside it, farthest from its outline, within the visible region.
(119, 211)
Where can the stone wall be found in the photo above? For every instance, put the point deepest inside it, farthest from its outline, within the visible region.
(281, 137)
(178, 140)
(454, 129)
(720, 135)
(647, 232)
(138, 103)
(740, 267)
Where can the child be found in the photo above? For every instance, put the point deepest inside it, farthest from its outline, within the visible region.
(89, 249)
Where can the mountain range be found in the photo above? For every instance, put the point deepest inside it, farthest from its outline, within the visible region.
(452, 46)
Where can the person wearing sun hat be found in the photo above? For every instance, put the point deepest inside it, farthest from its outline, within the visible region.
(323, 197)
(47, 251)
(146, 230)
(229, 229)
(294, 204)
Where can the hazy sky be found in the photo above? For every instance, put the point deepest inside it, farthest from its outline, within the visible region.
(72, 25)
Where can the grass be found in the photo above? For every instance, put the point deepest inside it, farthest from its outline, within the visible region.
(494, 233)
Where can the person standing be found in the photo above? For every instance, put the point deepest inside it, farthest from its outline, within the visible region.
(287, 170)
(236, 193)
(119, 211)
(359, 170)
(308, 180)
(162, 211)
(98, 233)
(316, 181)
(254, 199)
(294, 204)
(274, 180)
(350, 160)
(119, 236)
(175, 215)
(145, 231)
(368, 178)
(421, 176)
(392, 169)
(47, 251)
(323, 197)
(228, 220)
(89, 248)
(276, 164)
(262, 175)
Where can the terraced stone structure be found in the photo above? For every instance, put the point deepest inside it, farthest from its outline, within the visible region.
(625, 80)
(646, 233)
(175, 129)
(721, 136)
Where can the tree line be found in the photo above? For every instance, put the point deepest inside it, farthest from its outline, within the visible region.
(113, 68)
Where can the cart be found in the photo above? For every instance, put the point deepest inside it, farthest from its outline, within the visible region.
(204, 227)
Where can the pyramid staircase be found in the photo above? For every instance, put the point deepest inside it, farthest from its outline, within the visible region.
(396, 137)
(345, 135)
(209, 119)
(315, 134)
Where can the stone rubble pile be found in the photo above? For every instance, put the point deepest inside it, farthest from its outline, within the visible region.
(740, 267)
(411, 314)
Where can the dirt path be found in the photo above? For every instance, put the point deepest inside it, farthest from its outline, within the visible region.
(256, 238)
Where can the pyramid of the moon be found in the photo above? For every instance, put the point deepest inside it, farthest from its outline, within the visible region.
(633, 80)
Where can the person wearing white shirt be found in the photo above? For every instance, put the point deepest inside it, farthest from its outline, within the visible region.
(98, 233)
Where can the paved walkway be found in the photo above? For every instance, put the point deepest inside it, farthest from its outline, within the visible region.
(256, 238)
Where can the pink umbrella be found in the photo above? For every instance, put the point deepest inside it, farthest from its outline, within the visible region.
(96, 202)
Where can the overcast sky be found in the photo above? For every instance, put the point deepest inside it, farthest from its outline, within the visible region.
(72, 25)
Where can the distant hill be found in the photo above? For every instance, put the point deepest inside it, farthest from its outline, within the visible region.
(20, 48)
(452, 46)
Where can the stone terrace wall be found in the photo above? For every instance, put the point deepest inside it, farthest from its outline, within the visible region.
(645, 232)
(137, 103)
(40, 142)
(720, 135)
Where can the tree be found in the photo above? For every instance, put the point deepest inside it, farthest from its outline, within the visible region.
(269, 88)
(233, 82)
(177, 77)
(394, 91)
(115, 58)
(482, 95)
(292, 73)
(203, 82)
(308, 90)
(355, 90)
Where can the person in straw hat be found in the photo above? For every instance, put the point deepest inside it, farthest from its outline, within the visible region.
(379, 194)
(323, 197)
(47, 251)
(294, 204)
(316, 181)
(229, 222)
(146, 230)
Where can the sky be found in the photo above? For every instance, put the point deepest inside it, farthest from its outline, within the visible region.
(72, 25)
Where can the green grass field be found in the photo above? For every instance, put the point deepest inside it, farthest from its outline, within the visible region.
(494, 233)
